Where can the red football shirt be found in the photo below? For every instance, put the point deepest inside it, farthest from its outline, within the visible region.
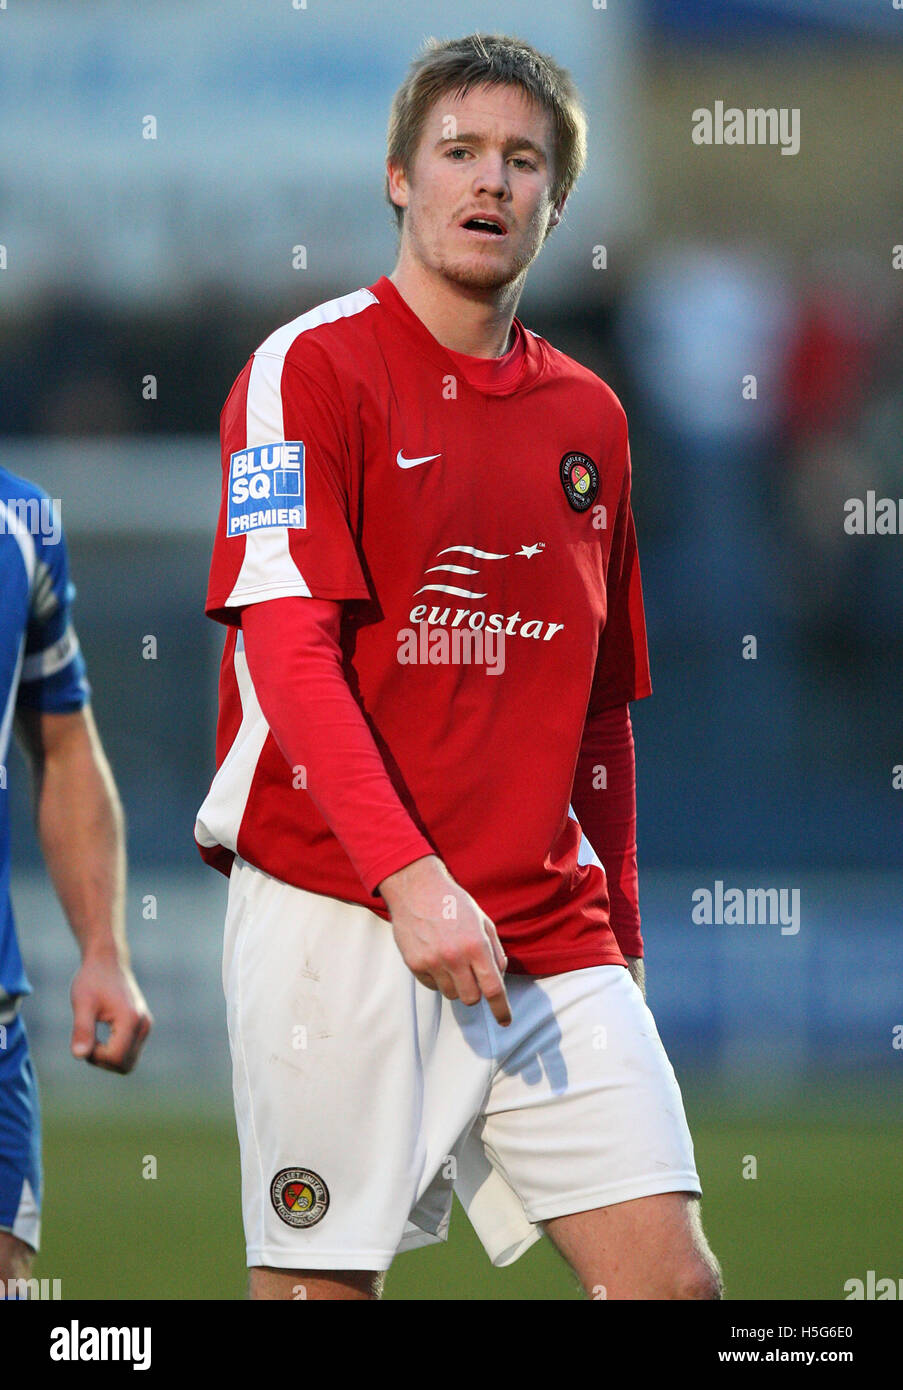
(482, 537)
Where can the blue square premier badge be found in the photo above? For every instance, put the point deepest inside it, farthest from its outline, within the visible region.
(266, 488)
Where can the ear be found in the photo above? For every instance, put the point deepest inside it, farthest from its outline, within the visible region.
(398, 184)
(557, 210)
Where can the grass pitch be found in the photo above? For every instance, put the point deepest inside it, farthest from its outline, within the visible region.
(823, 1207)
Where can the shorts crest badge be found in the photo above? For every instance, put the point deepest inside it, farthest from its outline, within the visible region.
(300, 1196)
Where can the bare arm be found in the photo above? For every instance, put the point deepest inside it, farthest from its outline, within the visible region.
(80, 828)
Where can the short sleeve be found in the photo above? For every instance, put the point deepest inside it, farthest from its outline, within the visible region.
(622, 663)
(53, 677)
(284, 526)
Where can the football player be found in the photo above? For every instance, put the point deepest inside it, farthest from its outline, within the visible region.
(44, 691)
(426, 561)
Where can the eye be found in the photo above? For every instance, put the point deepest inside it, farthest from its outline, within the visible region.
(459, 149)
(527, 163)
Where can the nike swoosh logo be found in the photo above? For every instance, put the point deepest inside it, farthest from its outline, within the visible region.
(412, 463)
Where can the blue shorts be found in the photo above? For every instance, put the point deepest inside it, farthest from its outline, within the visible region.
(20, 1138)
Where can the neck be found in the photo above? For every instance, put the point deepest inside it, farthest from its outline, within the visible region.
(461, 318)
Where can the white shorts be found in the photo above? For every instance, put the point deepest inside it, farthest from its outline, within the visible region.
(364, 1100)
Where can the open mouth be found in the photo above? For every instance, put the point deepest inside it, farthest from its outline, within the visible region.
(484, 226)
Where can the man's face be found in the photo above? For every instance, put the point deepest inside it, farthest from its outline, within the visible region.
(489, 154)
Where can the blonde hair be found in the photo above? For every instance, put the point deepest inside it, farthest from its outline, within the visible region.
(492, 60)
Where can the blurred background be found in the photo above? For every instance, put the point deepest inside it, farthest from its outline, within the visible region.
(177, 180)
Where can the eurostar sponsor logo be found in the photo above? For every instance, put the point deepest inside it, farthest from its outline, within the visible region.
(512, 624)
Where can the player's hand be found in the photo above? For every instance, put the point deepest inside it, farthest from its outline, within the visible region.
(105, 991)
(445, 939)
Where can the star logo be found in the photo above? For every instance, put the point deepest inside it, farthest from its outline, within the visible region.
(531, 550)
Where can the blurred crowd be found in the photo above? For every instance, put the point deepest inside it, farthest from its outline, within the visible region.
(768, 396)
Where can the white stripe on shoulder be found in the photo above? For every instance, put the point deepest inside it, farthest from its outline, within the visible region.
(267, 562)
(345, 307)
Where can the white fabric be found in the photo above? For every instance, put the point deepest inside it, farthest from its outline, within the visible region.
(346, 1066)
(219, 818)
(27, 1225)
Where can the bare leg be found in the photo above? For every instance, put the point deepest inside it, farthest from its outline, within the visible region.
(15, 1259)
(357, 1284)
(651, 1247)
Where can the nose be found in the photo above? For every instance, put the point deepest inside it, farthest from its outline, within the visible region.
(491, 176)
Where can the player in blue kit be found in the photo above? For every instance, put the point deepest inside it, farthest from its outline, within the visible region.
(44, 689)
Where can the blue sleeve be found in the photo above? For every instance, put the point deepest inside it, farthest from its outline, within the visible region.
(53, 677)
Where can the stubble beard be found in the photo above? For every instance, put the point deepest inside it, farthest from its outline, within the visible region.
(471, 274)
(483, 277)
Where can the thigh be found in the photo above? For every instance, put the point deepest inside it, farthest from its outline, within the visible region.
(313, 1285)
(648, 1248)
(585, 1111)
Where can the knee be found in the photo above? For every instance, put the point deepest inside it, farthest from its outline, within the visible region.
(699, 1279)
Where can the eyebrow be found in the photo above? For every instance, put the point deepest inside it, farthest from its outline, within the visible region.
(513, 142)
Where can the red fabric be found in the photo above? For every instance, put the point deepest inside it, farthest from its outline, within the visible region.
(434, 508)
(605, 802)
(295, 661)
(494, 374)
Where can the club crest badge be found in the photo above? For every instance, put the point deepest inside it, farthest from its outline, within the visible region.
(300, 1197)
(580, 480)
